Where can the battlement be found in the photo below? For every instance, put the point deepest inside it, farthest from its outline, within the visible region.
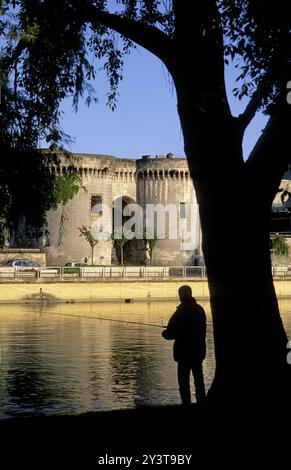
(122, 169)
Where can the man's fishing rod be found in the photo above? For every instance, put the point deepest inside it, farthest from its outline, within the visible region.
(105, 319)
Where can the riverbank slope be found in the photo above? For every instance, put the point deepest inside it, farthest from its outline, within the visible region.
(113, 290)
(210, 440)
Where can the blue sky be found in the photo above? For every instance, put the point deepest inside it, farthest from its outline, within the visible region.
(146, 119)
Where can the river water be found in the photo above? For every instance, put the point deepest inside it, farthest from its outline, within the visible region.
(74, 358)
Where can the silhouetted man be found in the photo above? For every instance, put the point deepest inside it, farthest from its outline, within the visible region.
(187, 327)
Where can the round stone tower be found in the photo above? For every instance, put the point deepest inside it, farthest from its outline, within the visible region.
(164, 186)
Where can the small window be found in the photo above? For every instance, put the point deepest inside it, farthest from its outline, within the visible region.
(182, 210)
(96, 201)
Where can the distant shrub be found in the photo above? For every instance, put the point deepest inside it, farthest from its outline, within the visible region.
(279, 246)
(71, 270)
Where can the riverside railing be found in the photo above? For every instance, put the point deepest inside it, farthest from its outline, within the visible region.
(104, 272)
(119, 272)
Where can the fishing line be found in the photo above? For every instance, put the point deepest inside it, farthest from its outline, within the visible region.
(105, 319)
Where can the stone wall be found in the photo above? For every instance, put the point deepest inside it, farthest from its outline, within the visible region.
(33, 255)
(103, 176)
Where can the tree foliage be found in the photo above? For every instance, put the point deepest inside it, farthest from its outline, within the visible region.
(89, 234)
(50, 45)
(279, 245)
(28, 187)
(121, 237)
(56, 49)
(28, 190)
(258, 32)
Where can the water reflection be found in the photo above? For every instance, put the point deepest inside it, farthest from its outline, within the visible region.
(73, 358)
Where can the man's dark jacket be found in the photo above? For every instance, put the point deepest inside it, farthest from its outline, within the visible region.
(187, 327)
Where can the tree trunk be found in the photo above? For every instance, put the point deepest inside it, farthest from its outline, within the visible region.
(121, 255)
(249, 337)
(92, 255)
(250, 341)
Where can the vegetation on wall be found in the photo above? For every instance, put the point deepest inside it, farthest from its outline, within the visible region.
(89, 234)
(150, 236)
(121, 237)
(279, 246)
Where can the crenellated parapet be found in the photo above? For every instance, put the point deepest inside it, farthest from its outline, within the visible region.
(162, 174)
(96, 166)
(124, 174)
(162, 168)
(123, 169)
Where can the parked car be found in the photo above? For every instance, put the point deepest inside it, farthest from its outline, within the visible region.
(23, 264)
(75, 264)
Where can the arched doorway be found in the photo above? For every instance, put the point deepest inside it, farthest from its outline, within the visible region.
(124, 251)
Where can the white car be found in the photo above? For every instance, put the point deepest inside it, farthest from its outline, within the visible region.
(24, 264)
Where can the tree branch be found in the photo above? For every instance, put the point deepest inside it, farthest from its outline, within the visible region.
(253, 105)
(9, 61)
(270, 157)
(149, 37)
